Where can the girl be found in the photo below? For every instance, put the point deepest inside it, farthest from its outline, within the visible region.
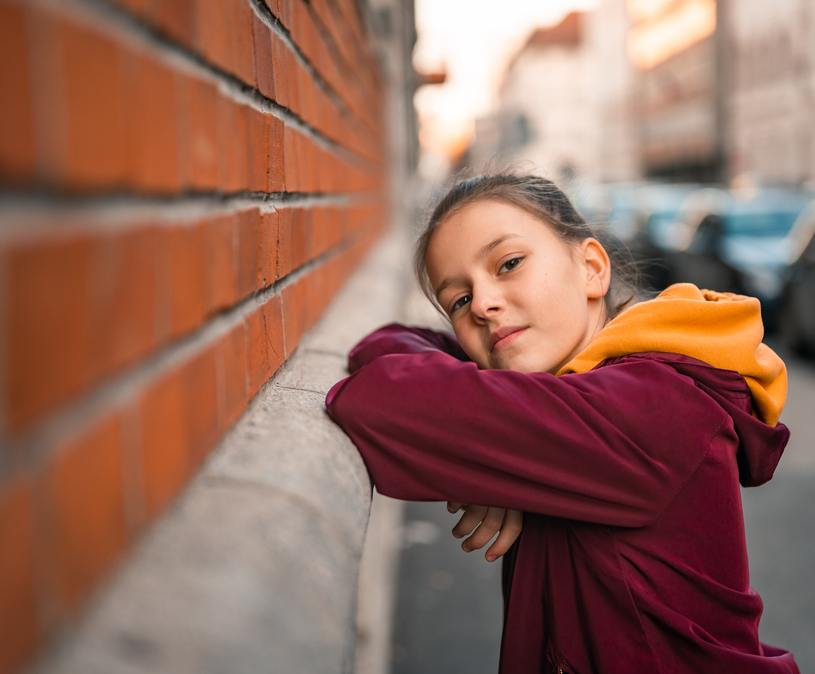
(621, 435)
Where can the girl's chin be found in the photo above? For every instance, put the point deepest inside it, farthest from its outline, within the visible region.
(520, 363)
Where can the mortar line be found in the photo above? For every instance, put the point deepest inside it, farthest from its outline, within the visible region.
(32, 213)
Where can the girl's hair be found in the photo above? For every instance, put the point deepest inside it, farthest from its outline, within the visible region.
(544, 200)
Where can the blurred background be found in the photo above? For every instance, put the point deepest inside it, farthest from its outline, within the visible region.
(686, 129)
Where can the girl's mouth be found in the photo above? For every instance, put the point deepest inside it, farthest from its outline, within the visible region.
(504, 337)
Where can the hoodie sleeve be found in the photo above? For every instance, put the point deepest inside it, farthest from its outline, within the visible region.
(397, 338)
(611, 446)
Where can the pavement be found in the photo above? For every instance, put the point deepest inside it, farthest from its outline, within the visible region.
(448, 616)
(779, 519)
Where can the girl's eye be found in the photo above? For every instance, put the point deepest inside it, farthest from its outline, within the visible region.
(460, 302)
(509, 265)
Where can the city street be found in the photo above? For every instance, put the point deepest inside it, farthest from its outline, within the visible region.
(449, 603)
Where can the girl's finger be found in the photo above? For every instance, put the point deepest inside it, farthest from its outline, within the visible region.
(490, 525)
(469, 520)
(453, 507)
(511, 529)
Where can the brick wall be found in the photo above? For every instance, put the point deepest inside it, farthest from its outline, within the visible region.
(184, 184)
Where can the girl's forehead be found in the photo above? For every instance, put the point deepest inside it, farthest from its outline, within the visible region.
(484, 219)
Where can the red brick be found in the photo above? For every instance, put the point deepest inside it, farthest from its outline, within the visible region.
(292, 298)
(278, 167)
(201, 396)
(232, 146)
(303, 146)
(17, 149)
(292, 78)
(95, 151)
(129, 70)
(165, 441)
(318, 231)
(305, 161)
(264, 59)
(240, 172)
(85, 481)
(241, 41)
(309, 299)
(284, 249)
(48, 285)
(187, 290)
(273, 319)
(211, 38)
(260, 150)
(316, 153)
(221, 274)
(300, 237)
(291, 158)
(122, 316)
(163, 284)
(273, 6)
(257, 352)
(302, 78)
(204, 135)
(248, 258)
(183, 103)
(19, 623)
(232, 383)
(227, 137)
(309, 98)
(176, 18)
(268, 252)
(281, 55)
(157, 163)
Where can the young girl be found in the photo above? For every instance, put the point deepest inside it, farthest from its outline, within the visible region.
(621, 435)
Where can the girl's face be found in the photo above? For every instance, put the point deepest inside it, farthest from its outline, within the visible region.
(518, 297)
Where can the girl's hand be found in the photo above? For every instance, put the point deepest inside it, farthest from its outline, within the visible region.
(489, 522)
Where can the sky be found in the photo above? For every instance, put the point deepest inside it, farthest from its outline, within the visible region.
(472, 40)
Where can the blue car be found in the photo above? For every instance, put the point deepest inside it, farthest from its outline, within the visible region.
(737, 241)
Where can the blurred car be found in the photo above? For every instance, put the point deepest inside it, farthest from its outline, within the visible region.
(637, 216)
(796, 319)
(736, 241)
(610, 205)
(654, 213)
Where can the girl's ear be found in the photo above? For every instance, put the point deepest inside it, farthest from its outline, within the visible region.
(598, 268)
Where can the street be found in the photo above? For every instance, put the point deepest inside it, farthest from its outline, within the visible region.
(449, 603)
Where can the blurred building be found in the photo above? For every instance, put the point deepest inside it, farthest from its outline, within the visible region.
(676, 93)
(687, 90)
(544, 110)
(769, 81)
(613, 80)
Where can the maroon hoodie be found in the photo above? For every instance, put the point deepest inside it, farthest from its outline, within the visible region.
(632, 556)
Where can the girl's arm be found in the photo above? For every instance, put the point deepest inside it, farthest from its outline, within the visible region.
(396, 338)
(479, 524)
(610, 446)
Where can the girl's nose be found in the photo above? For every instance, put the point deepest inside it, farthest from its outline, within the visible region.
(486, 304)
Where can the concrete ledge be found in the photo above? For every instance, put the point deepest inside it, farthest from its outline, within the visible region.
(255, 567)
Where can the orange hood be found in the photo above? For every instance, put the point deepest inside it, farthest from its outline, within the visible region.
(721, 329)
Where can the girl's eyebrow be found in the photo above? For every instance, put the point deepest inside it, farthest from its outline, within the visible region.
(486, 250)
